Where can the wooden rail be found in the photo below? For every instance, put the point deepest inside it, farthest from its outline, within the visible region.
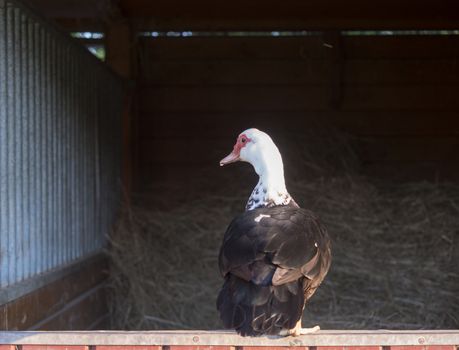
(339, 340)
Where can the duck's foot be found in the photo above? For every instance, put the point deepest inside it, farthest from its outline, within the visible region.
(295, 332)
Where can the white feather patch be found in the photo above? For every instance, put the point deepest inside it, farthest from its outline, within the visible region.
(261, 216)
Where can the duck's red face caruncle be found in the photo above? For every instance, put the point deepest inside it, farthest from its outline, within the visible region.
(235, 155)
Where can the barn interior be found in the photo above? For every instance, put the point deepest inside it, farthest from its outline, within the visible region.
(361, 99)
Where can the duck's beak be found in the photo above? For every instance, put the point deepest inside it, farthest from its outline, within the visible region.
(230, 158)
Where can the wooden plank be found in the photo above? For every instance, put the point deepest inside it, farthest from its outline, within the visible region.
(360, 123)
(402, 72)
(54, 347)
(415, 97)
(277, 348)
(412, 171)
(299, 72)
(299, 48)
(3, 318)
(234, 98)
(435, 347)
(79, 314)
(230, 338)
(30, 309)
(166, 124)
(120, 55)
(119, 47)
(232, 48)
(251, 72)
(424, 149)
(398, 123)
(127, 347)
(401, 47)
(396, 72)
(8, 347)
(349, 348)
(197, 347)
(295, 24)
(290, 99)
(183, 150)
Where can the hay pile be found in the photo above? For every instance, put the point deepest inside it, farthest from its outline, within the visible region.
(395, 248)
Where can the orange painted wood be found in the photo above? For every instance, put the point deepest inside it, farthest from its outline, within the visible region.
(7, 347)
(421, 347)
(349, 348)
(275, 348)
(55, 347)
(197, 347)
(126, 347)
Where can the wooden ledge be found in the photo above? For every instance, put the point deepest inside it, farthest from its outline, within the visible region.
(227, 338)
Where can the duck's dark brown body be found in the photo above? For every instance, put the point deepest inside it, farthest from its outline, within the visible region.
(273, 259)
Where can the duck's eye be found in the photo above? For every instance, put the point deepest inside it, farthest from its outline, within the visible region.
(243, 140)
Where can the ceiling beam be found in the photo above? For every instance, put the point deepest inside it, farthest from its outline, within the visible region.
(263, 14)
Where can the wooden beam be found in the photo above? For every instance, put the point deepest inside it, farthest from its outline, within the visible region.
(224, 338)
(294, 14)
(120, 56)
(118, 47)
(266, 15)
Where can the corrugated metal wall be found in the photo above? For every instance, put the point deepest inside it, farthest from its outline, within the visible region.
(60, 113)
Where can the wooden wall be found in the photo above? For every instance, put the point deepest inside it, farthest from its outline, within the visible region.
(73, 298)
(398, 95)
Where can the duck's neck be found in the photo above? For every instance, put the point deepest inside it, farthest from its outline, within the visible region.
(270, 189)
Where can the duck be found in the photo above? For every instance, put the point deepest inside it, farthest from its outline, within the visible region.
(274, 255)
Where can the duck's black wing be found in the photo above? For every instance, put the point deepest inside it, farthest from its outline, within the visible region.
(272, 259)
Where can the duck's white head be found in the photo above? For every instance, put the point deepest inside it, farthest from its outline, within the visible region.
(257, 148)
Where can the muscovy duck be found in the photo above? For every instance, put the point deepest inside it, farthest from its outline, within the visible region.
(275, 255)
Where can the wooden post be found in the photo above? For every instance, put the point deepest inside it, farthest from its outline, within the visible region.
(119, 46)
